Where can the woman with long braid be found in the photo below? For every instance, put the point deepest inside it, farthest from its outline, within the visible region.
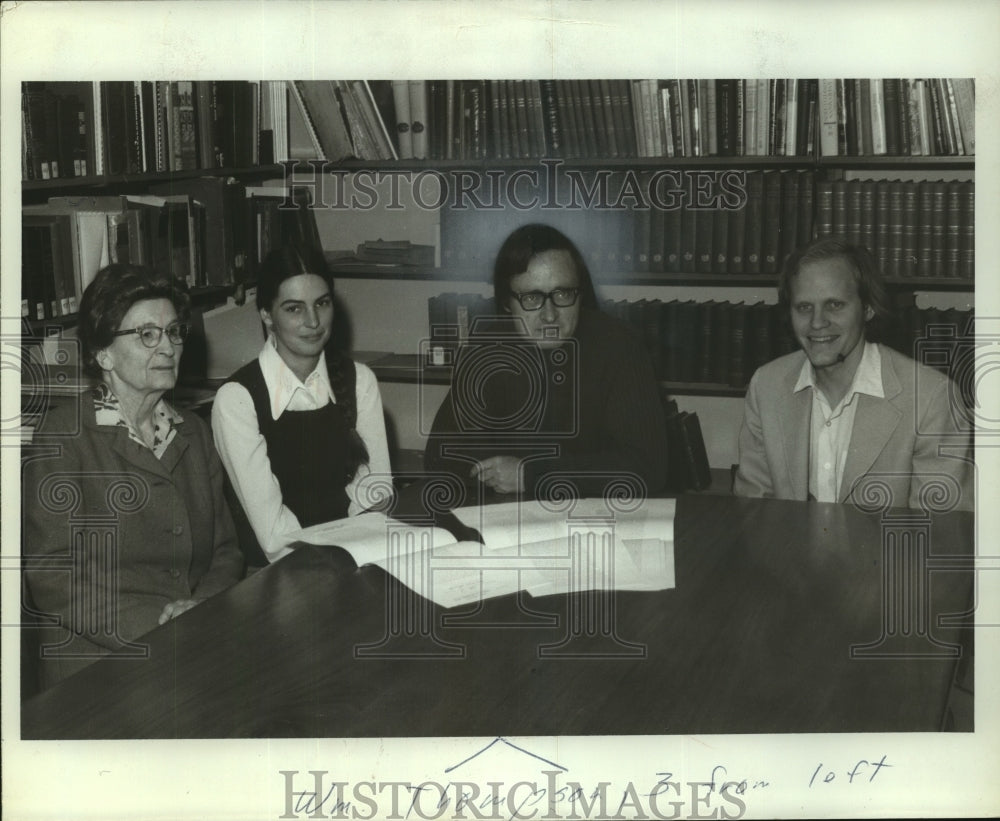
(300, 429)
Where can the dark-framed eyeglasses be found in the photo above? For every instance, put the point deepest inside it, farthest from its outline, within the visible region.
(534, 300)
(150, 335)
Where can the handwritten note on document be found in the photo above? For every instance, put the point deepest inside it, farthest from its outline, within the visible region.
(540, 548)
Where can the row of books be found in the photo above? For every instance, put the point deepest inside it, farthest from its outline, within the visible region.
(79, 129)
(353, 118)
(897, 117)
(511, 119)
(723, 343)
(712, 342)
(687, 466)
(775, 216)
(207, 231)
(520, 119)
(914, 228)
(735, 117)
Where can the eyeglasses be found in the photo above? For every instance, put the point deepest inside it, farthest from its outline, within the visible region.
(534, 300)
(152, 334)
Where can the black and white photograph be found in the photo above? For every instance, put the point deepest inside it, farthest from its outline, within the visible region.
(448, 409)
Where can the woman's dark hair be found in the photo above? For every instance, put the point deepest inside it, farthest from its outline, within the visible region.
(867, 276)
(521, 246)
(293, 260)
(107, 299)
(285, 262)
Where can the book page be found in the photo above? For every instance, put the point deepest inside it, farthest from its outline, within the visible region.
(369, 536)
(524, 522)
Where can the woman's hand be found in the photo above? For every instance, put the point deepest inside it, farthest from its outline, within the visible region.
(501, 473)
(175, 608)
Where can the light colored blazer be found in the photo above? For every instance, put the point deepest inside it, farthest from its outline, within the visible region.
(897, 437)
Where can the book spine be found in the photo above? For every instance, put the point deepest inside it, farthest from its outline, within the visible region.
(852, 203)
(552, 119)
(878, 117)
(677, 114)
(967, 230)
(704, 224)
(639, 119)
(892, 97)
(807, 186)
(418, 115)
(672, 234)
(602, 126)
(839, 206)
(791, 118)
(668, 126)
(720, 240)
(954, 123)
(908, 254)
(615, 139)
(939, 119)
(965, 102)
(712, 112)
(771, 234)
(186, 150)
(724, 120)
(925, 206)
(938, 230)
(867, 230)
(752, 260)
(824, 208)
(953, 228)
(623, 118)
(883, 241)
(750, 119)
(895, 245)
(788, 229)
(736, 240)
(404, 134)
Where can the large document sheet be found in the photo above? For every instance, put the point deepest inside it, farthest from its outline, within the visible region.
(540, 548)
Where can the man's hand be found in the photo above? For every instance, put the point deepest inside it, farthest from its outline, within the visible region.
(503, 474)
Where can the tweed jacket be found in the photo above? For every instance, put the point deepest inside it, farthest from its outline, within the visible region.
(109, 528)
(912, 439)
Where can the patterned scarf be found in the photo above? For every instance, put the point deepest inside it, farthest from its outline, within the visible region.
(107, 410)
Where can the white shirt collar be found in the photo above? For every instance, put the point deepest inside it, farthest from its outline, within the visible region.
(867, 378)
(282, 383)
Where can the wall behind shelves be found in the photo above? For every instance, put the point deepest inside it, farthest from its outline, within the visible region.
(391, 314)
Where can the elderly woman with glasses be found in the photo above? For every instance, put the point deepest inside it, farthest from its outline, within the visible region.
(552, 387)
(126, 526)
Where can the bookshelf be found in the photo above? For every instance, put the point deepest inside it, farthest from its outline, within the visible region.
(492, 131)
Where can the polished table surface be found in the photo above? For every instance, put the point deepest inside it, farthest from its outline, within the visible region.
(756, 637)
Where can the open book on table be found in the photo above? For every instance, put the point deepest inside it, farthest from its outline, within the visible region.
(586, 545)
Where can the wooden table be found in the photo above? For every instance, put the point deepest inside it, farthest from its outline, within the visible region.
(756, 637)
